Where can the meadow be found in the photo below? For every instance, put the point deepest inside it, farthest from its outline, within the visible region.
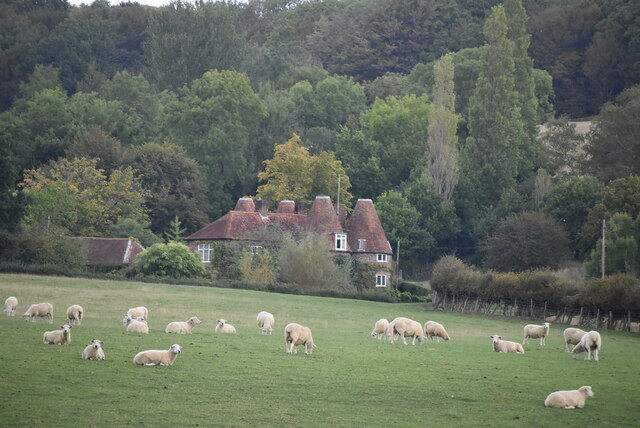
(247, 379)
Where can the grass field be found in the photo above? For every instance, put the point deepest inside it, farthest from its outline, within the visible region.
(246, 379)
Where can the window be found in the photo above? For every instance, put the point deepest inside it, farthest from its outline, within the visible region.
(361, 244)
(382, 257)
(205, 251)
(381, 280)
(255, 249)
(341, 242)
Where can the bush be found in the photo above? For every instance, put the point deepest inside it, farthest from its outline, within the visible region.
(413, 288)
(618, 293)
(173, 260)
(257, 268)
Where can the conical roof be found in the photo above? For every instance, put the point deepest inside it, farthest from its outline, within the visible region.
(364, 223)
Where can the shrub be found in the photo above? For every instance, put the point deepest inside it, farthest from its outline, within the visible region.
(169, 260)
(617, 293)
(257, 268)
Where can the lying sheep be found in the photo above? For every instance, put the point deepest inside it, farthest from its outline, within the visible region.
(434, 329)
(380, 328)
(506, 346)
(266, 322)
(296, 334)
(155, 358)
(182, 327)
(405, 327)
(58, 337)
(94, 351)
(572, 336)
(39, 310)
(74, 314)
(569, 399)
(138, 325)
(139, 312)
(591, 342)
(534, 331)
(224, 327)
(10, 306)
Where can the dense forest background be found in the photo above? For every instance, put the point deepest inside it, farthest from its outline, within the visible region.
(115, 120)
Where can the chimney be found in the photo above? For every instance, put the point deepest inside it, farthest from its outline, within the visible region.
(245, 204)
(287, 207)
(262, 206)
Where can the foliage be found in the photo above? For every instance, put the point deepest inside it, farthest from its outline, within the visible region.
(564, 147)
(173, 260)
(130, 228)
(622, 248)
(258, 268)
(618, 293)
(175, 232)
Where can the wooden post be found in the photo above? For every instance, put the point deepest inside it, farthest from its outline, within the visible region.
(597, 318)
(628, 326)
(611, 324)
(604, 223)
(544, 314)
(532, 315)
(581, 310)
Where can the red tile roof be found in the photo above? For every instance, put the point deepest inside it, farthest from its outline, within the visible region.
(365, 224)
(109, 251)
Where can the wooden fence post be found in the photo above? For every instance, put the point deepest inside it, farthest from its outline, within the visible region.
(544, 314)
(597, 318)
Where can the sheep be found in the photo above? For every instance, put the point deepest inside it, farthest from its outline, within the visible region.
(139, 311)
(94, 351)
(155, 358)
(572, 336)
(182, 327)
(296, 334)
(405, 327)
(266, 322)
(75, 313)
(591, 342)
(380, 328)
(10, 306)
(534, 331)
(39, 310)
(58, 337)
(434, 329)
(569, 399)
(138, 325)
(506, 346)
(224, 327)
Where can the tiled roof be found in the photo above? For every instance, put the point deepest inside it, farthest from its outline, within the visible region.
(232, 225)
(365, 224)
(109, 251)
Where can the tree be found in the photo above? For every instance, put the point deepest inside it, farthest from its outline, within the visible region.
(95, 143)
(622, 248)
(564, 148)
(173, 260)
(176, 231)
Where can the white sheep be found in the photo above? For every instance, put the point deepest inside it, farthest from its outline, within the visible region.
(39, 310)
(94, 351)
(380, 328)
(266, 322)
(506, 346)
(58, 337)
(435, 329)
(569, 399)
(224, 327)
(182, 327)
(405, 327)
(139, 312)
(572, 336)
(155, 358)
(591, 342)
(10, 306)
(534, 331)
(295, 335)
(75, 314)
(138, 325)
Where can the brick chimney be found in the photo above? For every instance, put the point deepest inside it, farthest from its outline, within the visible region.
(262, 206)
(287, 207)
(245, 204)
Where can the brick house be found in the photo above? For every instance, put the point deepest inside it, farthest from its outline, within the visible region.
(109, 251)
(361, 235)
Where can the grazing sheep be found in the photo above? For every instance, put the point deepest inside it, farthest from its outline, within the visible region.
(405, 327)
(569, 399)
(182, 327)
(224, 327)
(155, 358)
(591, 342)
(139, 312)
(75, 313)
(94, 351)
(138, 325)
(10, 306)
(39, 310)
(266, 322)
(534, 331)
(58, 337)
(380, 328)
(434, 329)
(506, 346)
(296, 334)
(572, 336)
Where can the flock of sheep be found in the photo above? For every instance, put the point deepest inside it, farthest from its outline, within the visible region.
(135, 320)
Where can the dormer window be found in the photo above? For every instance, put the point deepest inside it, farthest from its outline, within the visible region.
(361, 243)
(341, 242)
(382, 258)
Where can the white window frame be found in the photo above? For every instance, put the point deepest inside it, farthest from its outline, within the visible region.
(381, 257)
(205, 251)
(361, 244)
(381, 280)
(341, 242)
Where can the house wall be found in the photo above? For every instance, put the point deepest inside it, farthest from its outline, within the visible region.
(371, 259)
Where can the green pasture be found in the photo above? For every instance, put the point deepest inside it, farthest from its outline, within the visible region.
(247, 380)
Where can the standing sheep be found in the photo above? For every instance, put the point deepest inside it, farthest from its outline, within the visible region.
(58, 337)
(296, 334)
(138, 325)
(266, 322)
(380, 328)
(569, 399)
(182, 327)
(155, 358)
(434, 329)
(405, 327)
(505, 346)
(139, 312)
(94, 351)
(10, 306)
(591, 342)
(572, 336)
(224, 327)
(39, 310)
(74, 314)
(534, 331)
